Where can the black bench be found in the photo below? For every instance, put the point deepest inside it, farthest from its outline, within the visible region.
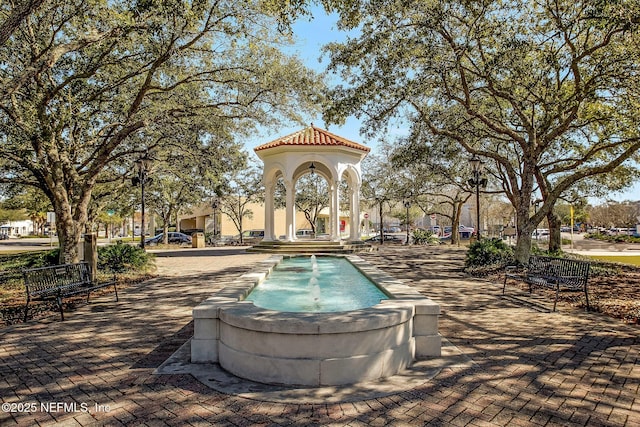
(60, 281)
(553, 273)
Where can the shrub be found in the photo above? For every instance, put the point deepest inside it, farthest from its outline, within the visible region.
(489, 252)
(425, 237)
(536, 250)
(48, 258)
(121, 257)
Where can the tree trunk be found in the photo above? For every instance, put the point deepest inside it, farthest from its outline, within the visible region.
(71, 207)
(555, 240)
(455, 226)
(522, 250)
(524, 228)
(240, 221)
(310, 220)
(165, 231)
(381, 226)
(69, 233)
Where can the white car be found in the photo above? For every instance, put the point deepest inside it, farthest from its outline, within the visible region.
(465, 229)
(540, 233)
(304, 234)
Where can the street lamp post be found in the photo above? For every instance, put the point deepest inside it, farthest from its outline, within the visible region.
(407, 205)
(379, 201)
(143, 165)
(110, 212)
(535, 204)
(214, 205)
(477, 181)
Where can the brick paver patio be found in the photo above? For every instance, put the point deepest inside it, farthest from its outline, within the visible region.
(531, 367)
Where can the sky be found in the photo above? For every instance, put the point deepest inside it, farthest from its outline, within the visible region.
(311, 36)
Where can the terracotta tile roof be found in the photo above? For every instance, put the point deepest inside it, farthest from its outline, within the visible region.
(312, 136)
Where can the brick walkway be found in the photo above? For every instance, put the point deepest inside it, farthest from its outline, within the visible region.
(531, 367)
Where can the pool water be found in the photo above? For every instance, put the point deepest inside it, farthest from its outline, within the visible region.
(321, 285)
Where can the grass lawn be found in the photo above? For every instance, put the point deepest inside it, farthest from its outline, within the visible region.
(623, 259)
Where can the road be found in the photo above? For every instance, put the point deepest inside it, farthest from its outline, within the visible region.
(24, 244)
(34, 244)
(597, 247)
(580, 245)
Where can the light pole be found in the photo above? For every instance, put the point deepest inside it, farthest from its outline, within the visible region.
(143, 165)
(535, 204)
(477, 181)
(214, 205)
(379, 201)
(407, 205)
(110, 212)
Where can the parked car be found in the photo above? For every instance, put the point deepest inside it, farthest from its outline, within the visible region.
(465, 229)
(465, 232)
(173, 237)
(435, 229)
(392, 229)
(305, 233)
(387, 238)
(249, 237)
(540, 233)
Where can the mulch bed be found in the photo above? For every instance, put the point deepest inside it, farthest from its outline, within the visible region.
(12, 310)
(614, 291)
(618, 296)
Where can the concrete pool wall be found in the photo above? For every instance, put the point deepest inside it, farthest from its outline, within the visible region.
(315, 348)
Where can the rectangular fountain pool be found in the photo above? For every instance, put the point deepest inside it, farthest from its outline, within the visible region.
(316, 285)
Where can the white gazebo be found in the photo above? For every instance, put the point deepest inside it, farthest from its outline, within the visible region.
(319, 151)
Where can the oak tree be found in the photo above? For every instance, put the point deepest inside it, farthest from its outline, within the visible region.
(547, 91)
(87, 85)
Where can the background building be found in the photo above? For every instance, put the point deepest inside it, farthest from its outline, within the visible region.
(201, 218)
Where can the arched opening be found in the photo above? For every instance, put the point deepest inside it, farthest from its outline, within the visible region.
(350, 202)
(311, 203)
(312, 200)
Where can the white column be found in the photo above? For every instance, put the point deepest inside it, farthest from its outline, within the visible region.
(354, 231)
(290, 211)
(269, 234)
(335, 214)
(332, 230)
(332, 233)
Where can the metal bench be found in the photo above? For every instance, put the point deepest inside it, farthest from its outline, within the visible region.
(553, 273)
(60, 281)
